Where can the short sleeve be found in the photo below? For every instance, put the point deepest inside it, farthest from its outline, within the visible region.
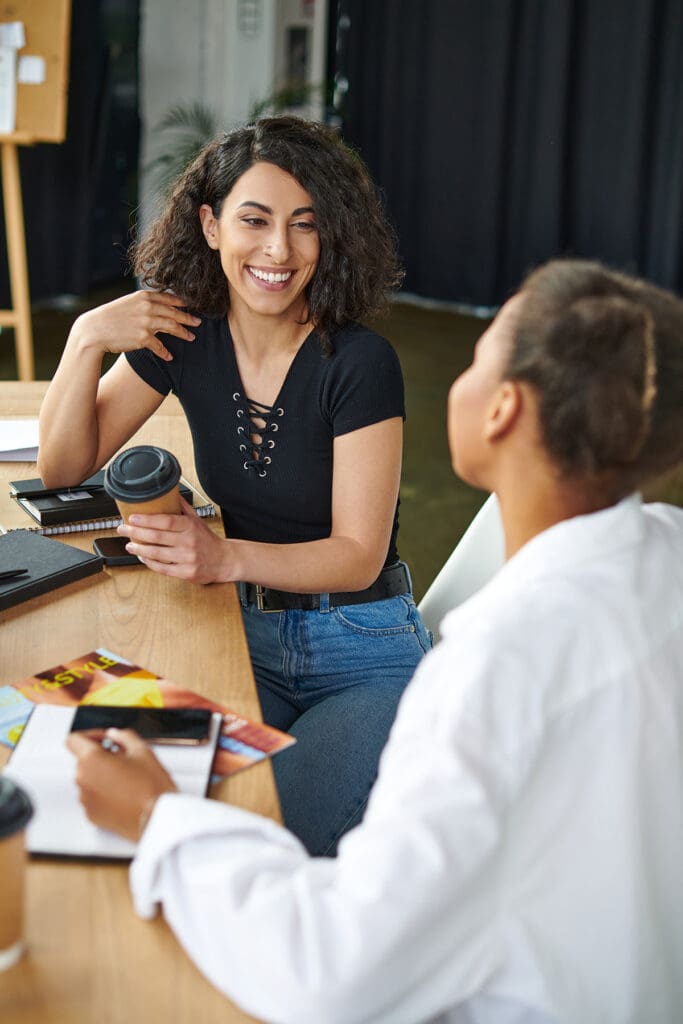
(160, 375)
(364, 384)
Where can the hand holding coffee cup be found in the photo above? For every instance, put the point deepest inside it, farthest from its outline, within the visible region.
(144, 479)
(16, 811)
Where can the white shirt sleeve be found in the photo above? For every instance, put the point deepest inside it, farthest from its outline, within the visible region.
(404, 916)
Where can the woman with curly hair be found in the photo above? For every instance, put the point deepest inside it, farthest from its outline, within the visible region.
(272, 248)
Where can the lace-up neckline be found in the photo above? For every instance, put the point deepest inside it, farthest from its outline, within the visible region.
(256, 425)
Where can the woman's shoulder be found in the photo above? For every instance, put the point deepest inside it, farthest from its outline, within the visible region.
(212, 327)
(358, 344)
(666, 516)
(361, 372)
(355, 336)
(211, 331)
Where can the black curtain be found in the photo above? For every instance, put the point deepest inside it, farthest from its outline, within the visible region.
(79, 196)
(504, 132)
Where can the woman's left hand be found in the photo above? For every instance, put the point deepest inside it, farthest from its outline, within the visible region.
(181, 546)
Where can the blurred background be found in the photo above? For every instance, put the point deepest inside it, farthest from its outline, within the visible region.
(502, 132)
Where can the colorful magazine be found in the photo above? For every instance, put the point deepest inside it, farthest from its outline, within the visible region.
(101, 677)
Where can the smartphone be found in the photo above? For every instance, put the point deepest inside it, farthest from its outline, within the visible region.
(113, 551)
(160, 725)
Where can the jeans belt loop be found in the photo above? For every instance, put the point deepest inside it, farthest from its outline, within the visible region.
(260, 601)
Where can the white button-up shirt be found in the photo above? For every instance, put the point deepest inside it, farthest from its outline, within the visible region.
(521, 855)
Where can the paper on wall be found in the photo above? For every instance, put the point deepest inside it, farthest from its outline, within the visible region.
(12, 34)
(31, 70)
(8, 89)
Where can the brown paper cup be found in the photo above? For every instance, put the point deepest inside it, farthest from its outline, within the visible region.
(168, 503)
(144, 479)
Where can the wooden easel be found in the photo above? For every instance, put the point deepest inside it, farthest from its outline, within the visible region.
(40, 117)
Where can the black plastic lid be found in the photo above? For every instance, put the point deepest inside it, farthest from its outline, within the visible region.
(141, 473)
(16, 810)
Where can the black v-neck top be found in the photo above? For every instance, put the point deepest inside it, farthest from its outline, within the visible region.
(280, 492)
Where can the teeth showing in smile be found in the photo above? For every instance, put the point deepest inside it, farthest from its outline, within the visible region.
(270, 277)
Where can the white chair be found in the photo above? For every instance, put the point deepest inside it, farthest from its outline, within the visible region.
(477, 556)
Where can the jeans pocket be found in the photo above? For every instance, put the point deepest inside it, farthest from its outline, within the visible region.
(394, 616)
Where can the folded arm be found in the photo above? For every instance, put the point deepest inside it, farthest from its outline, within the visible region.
(84, 419)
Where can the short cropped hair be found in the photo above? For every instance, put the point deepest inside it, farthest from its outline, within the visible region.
(604, 352)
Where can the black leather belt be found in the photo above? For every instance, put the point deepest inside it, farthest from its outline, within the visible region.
(391, 581)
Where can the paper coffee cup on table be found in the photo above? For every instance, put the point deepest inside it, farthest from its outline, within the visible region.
(15, 812)
(144, 479)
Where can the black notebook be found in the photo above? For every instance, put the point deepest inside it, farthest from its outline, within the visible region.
(85, 507)
(67, 504)
(50, 564)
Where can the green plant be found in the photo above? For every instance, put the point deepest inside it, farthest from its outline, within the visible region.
(287, 97)
(185, 129)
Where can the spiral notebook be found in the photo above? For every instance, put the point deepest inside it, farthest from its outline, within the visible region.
(83, 508)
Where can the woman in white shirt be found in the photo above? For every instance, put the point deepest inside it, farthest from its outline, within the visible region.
(520, 857)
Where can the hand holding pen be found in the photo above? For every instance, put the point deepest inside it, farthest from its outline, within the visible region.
(119, 779)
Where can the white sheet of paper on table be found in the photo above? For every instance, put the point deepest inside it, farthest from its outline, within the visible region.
(18, 440)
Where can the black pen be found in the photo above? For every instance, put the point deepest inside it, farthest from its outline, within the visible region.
(12, 574)
(50, 492)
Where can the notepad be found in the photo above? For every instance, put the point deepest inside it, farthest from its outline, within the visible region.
(42, 765)
(49, 564)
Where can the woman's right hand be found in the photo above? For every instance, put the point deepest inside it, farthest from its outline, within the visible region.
(132, 322)
(86, 417)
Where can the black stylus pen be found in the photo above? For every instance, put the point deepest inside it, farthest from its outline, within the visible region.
(12, 574)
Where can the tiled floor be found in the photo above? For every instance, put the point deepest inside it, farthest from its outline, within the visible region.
(433, 346)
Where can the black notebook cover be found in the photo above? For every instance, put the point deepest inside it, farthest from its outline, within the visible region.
(50, 564)
(34, 486)
(89, 500)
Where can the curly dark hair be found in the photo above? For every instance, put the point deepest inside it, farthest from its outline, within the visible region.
(605, 353)
(358, 263)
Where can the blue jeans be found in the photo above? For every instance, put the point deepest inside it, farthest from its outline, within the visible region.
(333, 679)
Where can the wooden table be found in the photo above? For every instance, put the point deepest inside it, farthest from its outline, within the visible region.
(90, 960)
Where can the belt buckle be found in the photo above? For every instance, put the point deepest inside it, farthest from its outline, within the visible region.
(260, 595)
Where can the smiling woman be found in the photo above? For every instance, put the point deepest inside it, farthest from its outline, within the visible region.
(268, 253)
(272, 247)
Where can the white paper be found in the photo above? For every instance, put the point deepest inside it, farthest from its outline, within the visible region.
(43, 766)
(18, 440)
(12, 34)
(31, 70)
(8, 89)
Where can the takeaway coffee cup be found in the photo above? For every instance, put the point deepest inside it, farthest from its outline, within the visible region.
(144, 479)
(16, 811)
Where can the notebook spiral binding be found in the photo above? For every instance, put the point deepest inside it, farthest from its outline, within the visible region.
(86, 525)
